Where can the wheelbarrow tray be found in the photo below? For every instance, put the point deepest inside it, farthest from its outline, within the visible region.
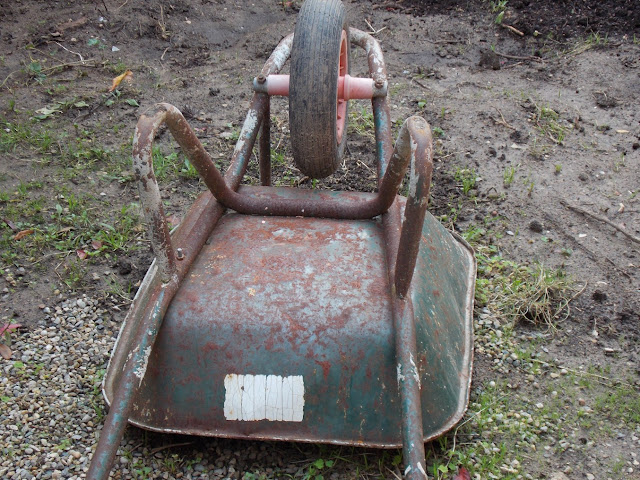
(282, 329)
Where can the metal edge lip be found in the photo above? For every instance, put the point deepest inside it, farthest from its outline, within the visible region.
(468, 358)
(144, 290)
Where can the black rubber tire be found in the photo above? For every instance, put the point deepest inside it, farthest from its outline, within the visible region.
(313, 87)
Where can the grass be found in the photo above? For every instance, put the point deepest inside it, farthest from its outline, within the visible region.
(508, 175)
(547, 120)
(171, 165)
(361, 122)
(466, 178)
(532, 294)
(498, 7)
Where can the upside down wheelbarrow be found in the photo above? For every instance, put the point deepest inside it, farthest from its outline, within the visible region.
(290, 314)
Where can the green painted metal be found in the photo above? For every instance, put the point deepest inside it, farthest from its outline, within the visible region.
(310, 297)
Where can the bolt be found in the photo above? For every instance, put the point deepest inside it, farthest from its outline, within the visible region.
(179, 254)
(262, 78)
(379, 84)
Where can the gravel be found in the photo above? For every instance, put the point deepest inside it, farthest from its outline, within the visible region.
(49, 392)
(51, 411)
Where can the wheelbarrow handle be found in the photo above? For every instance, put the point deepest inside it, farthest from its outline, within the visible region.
(414, 140)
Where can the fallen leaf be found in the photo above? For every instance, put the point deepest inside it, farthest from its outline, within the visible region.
(463, 474)
(116, 81)
(5, 351)
(10, 224)
(22, 234)
(96, 244)
(48, 111)
(8, 327)
(64, 230)
(81, 254)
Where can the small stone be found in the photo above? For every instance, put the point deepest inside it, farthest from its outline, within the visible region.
(583, 177)
(582, 402)
(590, 476)
(81, 303)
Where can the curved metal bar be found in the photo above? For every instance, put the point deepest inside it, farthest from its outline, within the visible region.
(414, 140)
(371, 46)
(149, 192)
(312, 206)
(414, 136)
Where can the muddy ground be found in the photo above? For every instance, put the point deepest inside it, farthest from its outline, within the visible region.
(535, 113)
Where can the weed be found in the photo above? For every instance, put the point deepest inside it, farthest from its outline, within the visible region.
(548, 122)
(498, 7)
(617, 166)
(437, 131)
(139, 470)
(277, 158)
(34, 71)
(74, 274)
(558, 168)
(361, 122)
(314, 470)
(467, 178)
(594, 40)
(65, 444)
(508, 175)
(171, 165)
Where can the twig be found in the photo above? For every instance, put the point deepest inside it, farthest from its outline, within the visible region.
(126, 1)
(566, 304)
(512, 65)
(601, 219)
(516, 57)
(84, 63)
(513, 29)
(70, 51)
(503, 122)
(165, 51)
(420, 84)
(373, 30)
(393, 473)
(444, 42)
(7, 78)
(171, 445)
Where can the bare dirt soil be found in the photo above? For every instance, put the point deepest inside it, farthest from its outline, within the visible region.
(534, 107)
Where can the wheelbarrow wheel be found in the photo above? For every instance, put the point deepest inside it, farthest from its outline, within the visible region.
(318, 118)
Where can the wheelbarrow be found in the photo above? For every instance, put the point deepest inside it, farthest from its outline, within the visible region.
(308, 315)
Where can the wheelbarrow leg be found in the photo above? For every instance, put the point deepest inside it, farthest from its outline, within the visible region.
(118, 416)
(409, 386)
(414, 141)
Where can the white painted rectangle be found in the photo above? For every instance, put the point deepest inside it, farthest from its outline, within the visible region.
(264, 397)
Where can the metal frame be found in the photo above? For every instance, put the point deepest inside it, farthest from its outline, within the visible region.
(175, 253)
